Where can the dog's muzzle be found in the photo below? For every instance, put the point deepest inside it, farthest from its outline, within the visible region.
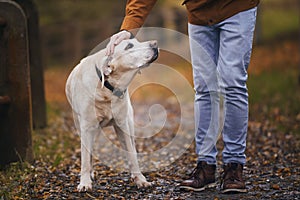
(154, 57)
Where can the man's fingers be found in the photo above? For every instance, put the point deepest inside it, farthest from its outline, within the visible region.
(123, 35)
(110, 48)
(115, 40)
(118, 40)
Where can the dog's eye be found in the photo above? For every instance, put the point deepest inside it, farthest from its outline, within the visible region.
(129, 46)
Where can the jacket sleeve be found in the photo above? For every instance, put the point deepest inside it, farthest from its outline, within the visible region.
(136, 13)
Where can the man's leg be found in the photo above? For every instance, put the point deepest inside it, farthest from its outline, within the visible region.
(204, 44)
(234, 56)
(236, 35)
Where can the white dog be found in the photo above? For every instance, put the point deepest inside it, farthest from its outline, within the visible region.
(97, 91)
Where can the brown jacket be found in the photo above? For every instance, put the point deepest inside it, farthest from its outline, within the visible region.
(200, 12)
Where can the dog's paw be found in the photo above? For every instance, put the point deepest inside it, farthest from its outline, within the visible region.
(144, 184)
(141, 181)
(84, 187)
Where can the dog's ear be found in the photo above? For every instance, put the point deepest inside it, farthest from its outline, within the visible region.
(106, 68)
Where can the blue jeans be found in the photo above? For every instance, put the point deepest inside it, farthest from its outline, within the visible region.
(220, 58)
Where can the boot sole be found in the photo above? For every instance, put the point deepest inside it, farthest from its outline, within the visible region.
(234, 190)
(211, 185)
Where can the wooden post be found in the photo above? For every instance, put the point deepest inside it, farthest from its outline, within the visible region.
(15, 91)
(36, 67)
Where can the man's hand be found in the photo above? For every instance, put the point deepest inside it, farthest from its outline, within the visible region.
(115, 40)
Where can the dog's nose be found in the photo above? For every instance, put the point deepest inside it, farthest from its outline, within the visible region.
(153, 44)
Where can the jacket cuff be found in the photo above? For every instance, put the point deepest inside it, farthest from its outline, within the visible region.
(130, 25)
(131, 34)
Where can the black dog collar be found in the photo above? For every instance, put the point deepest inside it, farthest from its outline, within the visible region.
(117, 92)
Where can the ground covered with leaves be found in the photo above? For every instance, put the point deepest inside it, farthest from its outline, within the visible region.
(273, 149)
(272, 170)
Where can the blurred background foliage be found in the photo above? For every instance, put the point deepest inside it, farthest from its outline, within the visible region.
(71, 28)
(279, 18)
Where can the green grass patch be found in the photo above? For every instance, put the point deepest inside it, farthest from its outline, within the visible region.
(275, 96)
(276, 89)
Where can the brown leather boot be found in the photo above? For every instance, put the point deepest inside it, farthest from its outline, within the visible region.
(233, 181)
(202, 177)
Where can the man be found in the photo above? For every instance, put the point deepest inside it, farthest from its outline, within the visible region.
(220, 31)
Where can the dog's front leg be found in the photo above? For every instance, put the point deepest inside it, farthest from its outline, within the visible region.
(87, 139)
(127, 141)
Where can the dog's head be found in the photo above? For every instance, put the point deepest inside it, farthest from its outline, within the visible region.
(129, 57)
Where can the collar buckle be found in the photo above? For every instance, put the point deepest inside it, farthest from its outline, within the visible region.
(119, 93)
